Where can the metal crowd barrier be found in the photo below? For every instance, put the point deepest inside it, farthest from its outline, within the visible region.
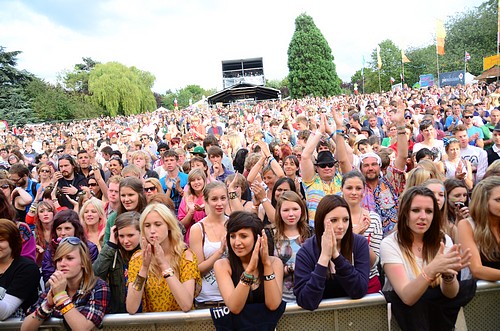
(368, 313)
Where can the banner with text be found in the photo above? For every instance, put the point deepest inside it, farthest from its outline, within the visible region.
(426, 80)
(451, 78)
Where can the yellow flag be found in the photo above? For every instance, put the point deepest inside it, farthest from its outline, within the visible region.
(379, 59)
(440, 35)
(404, 59)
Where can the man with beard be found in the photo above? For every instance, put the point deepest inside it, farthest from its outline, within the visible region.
(20, 175)
(382, 191)
(69, 180)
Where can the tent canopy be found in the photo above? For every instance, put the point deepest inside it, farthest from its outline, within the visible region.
(491, 73)
(244, 91)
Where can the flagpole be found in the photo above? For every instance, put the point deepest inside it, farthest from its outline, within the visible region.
(379, 83)
(498, 34)
(465, 64)
(363, 83)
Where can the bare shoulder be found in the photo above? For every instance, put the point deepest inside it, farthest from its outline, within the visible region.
(222, 264)
(189, 255)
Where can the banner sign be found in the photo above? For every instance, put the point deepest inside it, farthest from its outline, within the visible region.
(451, 78)
(426, 80)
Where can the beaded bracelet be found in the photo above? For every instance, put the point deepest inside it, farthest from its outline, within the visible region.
(247, 279)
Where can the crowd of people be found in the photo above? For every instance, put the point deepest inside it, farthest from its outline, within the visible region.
(253, 205)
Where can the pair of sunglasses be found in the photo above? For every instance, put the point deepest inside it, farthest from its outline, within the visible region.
(326, 165)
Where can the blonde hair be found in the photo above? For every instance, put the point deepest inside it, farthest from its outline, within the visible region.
(176, 243)
(431, 166)
(88, 278)
(100, 211)
(480, 213)
(156, 183)
(144, 155)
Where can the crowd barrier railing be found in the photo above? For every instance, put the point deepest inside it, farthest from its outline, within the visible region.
(367, 313)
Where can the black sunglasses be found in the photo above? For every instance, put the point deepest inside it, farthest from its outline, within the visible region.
(150, 189)
(468, 116)
(60, 151)
(92, 184)
(4, 186)
(326, 165)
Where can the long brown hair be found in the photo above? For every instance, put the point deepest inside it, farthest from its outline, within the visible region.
(302, 224)
(326, 205)
(432, 237)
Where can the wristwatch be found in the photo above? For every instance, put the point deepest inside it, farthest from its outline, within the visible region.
(232, 195)
(264, 200)
(168, 273)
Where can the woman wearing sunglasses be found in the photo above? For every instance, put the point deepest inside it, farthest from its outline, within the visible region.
(152, 186)
(73, 292)
(45, 172)
(66, 224)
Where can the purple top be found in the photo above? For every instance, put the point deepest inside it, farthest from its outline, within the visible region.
(313, 283)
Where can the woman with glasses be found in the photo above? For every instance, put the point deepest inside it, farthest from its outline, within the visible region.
(19, 276)
(192, 207)
(171, 269)
(152, 186)
(45, 171)
(113, 260)
(73, 293)
(66, 224)
(94, 189)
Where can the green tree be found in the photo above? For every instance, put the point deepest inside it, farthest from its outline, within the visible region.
(391, 65)
(14, 103)
(191, 92)
(310, 62)
(78, 79)
(423, 61)
(121, 90)
(473, 31)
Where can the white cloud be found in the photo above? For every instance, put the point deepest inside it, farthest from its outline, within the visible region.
(184, 42)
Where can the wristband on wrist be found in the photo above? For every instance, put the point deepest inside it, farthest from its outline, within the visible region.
(67, 308)
(139, 283)
(269, 277)
(168, 273)
(426, 277)
(247, 279)
(448, 278)
(264, 200)
(232, 195)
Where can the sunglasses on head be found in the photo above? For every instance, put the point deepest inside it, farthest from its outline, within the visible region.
(150, 189)
(72, 240)
(326, 165)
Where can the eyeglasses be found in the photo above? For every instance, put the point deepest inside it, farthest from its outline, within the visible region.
(5, 186)
(150, 189)
(92, 184)
(72, 240)
(468, 116)
(60, 151)
(326, 165)
(15, 180)
(45, 170)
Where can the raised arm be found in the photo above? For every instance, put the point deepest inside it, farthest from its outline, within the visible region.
(307, 160)
(341, 150)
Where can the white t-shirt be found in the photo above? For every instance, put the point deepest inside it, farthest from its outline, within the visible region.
(478, 159)
(390, 252)
(437, 149)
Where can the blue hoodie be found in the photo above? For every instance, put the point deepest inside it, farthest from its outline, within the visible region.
(312, 283)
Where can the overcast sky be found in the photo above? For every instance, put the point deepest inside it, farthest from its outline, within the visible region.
(184, 42)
